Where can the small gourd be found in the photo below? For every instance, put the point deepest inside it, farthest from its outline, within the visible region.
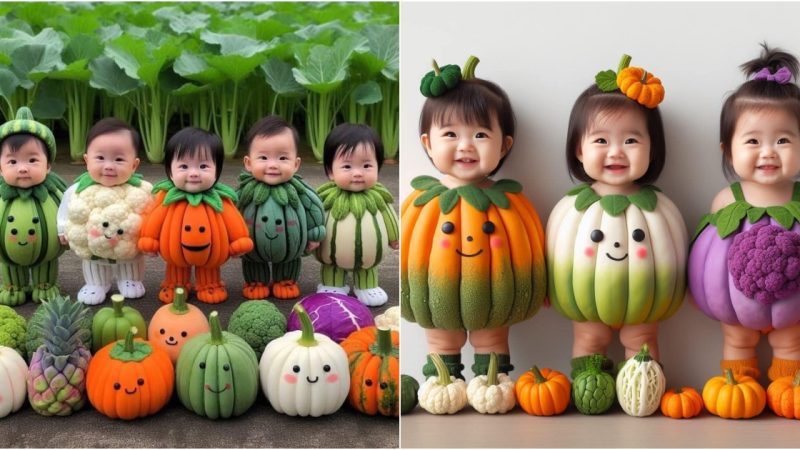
(640, 384)
(783, 396)
(681, 403)
(492, 393)
(442, 394)
(304, 373)
(593, 390)
(13, 373)
(543, 393)
(734, 397)
(111, 324)
(408, 393)
(174, 324)
(374, 370)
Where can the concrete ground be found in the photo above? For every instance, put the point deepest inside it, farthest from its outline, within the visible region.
(176, 426)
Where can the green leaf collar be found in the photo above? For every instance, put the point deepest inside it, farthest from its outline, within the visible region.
(84, 180)
(478, 198)
(645, 199)
(340, 202)
(257, 192)
(52, 186)
(212, 197)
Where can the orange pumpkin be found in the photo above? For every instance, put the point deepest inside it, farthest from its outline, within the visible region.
(543, 393)
(130, 378)
(640, 85)
(681, 403)
(783, 396)
(732, 397)
(374, 370)
(174, 324)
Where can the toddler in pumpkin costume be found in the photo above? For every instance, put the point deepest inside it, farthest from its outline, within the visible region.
(100, 216)
(29, 197)
(472, 256)
(283, 213)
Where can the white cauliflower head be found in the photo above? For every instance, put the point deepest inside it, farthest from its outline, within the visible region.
(105, 221)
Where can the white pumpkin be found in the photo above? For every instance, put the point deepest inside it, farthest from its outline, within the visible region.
(617, 260)
(13, 373)
(640, 385)
(442, 394)
(492, 393)
(389, 319)
(305, 373)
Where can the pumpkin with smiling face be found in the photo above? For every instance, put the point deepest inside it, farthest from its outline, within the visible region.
(174, 324)
(471, 258)
(129, 379)
(616, 260)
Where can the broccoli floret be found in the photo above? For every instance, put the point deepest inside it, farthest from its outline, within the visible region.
(12, 330)
(257, 322)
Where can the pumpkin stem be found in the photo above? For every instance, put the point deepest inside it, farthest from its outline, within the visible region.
(729, 377)
(216, 328)
(129, 339)
(679, 390)
(307, 337)
(491, 375)
(441, 369)
(436, 70)
(537, 375)
(179, 304)
(644, 354)
(117, 302)
(384, 347)
(644, 77)
(468, 72)
(624, 63)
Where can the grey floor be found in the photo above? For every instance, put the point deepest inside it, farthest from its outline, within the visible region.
(176, 426)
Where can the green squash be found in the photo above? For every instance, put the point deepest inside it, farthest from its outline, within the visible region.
(593, 391)
(217, 373)
(408, 393)
(279, 232)
(28, 229)
(112, 324)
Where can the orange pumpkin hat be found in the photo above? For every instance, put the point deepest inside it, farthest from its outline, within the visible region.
(635, 82)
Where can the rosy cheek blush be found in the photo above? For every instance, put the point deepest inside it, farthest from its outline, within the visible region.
(94, 232)
(445, 243)
(332, 378)
(589, 252)
(641, 252)
(496, 242)
(289, 378)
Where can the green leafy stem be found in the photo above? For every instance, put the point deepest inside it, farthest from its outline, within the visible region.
(478, 198)
(615, 204)
(728, 219)
(212, 197)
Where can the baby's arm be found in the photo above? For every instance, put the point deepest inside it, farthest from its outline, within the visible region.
(723, 199)
(63, 213)
(315, 218)
(240, 241)
(392, 229)
(152, 221)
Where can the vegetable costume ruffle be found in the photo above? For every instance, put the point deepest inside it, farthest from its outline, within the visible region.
(358, 228)
(281, 219)
(619, 260)
(200, 230)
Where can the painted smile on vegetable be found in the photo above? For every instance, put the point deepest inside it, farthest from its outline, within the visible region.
(227, 386)
(171, 341)
(469, 255)
(131, 393)
(617, 259)
(195, 248)
(312, 382)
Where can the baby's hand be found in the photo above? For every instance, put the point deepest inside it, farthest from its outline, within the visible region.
(63, 239)
(148, 245)
(312, 245)
(241, 246)
(394, 244)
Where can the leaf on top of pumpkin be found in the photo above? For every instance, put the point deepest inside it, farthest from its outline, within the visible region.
(474, 196)
(506, 185)
(729, 218)
(281, 194)
(173, 195)
(754, 214)
(704, 222)
(498, 198)
(340, 207)
(429, 195)
(614, 204)
(369, 203)
(327, 186)
(578, 189)
(163, 185)
(383, 192)
(586, 198)
(260, 193)
(294, 193)
(424, 182)
(781, 215)
(606, 80)
(645, 199)
(357, 205)
(448, 201)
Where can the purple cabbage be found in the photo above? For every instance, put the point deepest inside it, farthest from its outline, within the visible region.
(334, 315)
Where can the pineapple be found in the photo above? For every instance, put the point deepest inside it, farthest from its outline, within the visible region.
(57, 374)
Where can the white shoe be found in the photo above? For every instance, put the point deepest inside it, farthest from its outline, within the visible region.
(344, 290)
(92, 294)
(130, 288)
(372, 296)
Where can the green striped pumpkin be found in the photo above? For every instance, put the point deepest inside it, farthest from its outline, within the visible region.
(358, 226)
(30, 213)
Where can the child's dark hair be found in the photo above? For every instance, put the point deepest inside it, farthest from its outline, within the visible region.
(344, 139)
(476, 102)
(192, 141)
(593, 102)
(270, 126)
(113, 125)
(758, 94)
(16, 141)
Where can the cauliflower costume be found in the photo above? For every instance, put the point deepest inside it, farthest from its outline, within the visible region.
(102, 225)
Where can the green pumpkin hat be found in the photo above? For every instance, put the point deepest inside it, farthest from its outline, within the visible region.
(440, 80)
(25, 124)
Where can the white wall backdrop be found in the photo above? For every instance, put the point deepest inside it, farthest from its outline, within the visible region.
(544, 55)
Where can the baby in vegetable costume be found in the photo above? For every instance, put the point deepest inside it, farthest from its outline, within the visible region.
(360, 224)
(101, 214)
(283, 213)
(194, 221)
(744, 265)
(616, 246)
(29, 199)
(472, 256)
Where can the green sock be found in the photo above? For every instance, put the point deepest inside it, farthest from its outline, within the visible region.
(453, 363)
(481, 365)
(581, 363)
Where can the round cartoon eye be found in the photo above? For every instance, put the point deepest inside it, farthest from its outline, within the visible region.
(117, 386)
(226, 367)
(10, 218)
(184, 334)
(202, 229)
(120, 231)
(140, 381)
(35, 220)
(202, 365)
(488, 227)
(264, 218)
(368, 382)
(326, 368)
(296, 369)
(105, 224)
(278, 222)
(596, 236)
(162, 331)
(448, 227)
(638, 235)
(383, 386)
(188, 228)
(14, 231)
(31, 231)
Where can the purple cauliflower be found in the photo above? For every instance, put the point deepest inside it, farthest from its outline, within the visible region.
(764, 263)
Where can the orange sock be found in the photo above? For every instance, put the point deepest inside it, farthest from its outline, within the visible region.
(782, 368)
(747, 367)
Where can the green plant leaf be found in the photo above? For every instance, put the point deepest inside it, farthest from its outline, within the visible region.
(278, 74)
(497, 197)
(606, 81)
(448, 200)
(794, 209)
(585, 199)
(506, 185)
(8, 82)
(474, 196)
(195, 67)
(236, 67)
(323, 69)
(49, 102)
(729, 218)
(140, 59)
(77, 71)
(181, 22)
(82, 47)
(35, 61)
(109, 33)
(384, 42)
(231, 44)
(754, 214)
(367, 93)
(48, 37)
(429, 195)
(614, 204)
(645, 199)
(781, 215)
(704, 222)
(77, 23)
(578, 189)
(108, 76)
(424, 182)
(324, 33)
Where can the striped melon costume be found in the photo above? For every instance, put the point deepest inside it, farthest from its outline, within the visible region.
(281, 219)
(358, 228)
(30, 248)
